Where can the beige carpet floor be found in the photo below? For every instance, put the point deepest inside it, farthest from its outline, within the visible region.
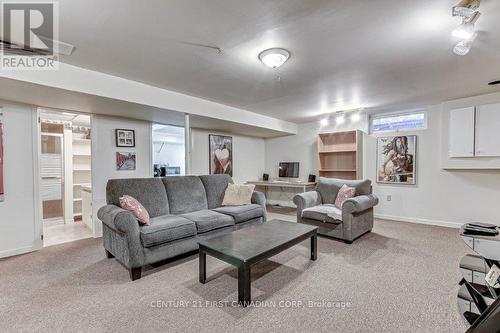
(402, 277)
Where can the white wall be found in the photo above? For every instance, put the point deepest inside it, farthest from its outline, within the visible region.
(104, 156)
(19, 231)
(440, 196)
(248, 155)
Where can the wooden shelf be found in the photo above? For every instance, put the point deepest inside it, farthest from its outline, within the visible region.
(339, 154)
(81, 140)
(338, 151)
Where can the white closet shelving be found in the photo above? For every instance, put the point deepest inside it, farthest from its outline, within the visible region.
(81, 161)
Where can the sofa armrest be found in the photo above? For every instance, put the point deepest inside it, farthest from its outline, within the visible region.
(118, 219)
(259, 198)
(359, 203)
(307, 200)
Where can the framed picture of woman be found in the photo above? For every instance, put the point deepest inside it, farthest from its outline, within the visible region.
(396, 160)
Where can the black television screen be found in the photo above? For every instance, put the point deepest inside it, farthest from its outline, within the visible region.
(289, 170)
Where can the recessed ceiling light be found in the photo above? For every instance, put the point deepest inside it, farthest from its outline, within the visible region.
(494, 83)
(274, 58)
(464, 31)
(324, 122)
(462, 48)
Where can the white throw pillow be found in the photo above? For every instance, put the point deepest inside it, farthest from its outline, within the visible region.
(237, 195)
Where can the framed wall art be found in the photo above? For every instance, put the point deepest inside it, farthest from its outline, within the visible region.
(125, 138)
(221, 154)
(396, 160)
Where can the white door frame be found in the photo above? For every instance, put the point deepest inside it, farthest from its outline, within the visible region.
(37, 149)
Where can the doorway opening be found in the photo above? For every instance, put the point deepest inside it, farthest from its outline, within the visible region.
(65, 176)
(169, 150)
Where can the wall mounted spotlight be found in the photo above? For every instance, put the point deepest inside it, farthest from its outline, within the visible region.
(466, 8)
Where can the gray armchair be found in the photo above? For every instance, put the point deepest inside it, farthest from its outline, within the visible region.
(352, 221)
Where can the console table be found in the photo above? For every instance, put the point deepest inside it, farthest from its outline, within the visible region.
(302, 186)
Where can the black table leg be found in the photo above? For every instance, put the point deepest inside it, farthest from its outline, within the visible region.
(314, 247)
(244, 285)
(203, 266)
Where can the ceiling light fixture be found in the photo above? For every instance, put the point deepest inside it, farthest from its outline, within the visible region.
(466, 8)
(462, 48)
(274, 58)
(324, 122)
(466, 32)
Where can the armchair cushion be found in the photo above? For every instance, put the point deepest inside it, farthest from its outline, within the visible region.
(360, 203)
(324, 213)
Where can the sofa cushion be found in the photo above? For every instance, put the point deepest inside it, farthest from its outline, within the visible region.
(132, 205)
(185, 194)
(242, 213)
(150, 192)
(238, 195)
(215, 187)
(324, 213)
(207, 220)
(329, 188)
(167, 228)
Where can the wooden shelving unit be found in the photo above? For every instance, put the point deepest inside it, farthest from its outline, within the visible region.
(340, 155)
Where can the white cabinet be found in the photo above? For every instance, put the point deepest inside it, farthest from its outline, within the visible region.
(462, 130)
(488, 130)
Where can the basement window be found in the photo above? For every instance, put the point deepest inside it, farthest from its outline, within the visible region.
(395, 122)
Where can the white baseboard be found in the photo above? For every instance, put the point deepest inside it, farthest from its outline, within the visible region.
(419, 221)
(15, 252)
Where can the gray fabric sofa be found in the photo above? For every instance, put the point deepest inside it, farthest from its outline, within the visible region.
(182, 210)
(352, 221)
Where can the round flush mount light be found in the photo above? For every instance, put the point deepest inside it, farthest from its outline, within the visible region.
(462, 48)
(464, 31)
(274, 58)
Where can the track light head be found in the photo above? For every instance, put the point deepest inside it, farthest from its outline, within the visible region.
(466, 8)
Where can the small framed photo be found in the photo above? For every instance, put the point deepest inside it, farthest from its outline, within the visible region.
(125, 138)
(125, 161)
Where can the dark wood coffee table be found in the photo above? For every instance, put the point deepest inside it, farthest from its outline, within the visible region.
(245, 247)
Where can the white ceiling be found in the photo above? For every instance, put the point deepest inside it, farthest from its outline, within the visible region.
(376, 54)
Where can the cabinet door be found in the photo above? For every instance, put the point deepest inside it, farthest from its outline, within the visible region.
(462, 132)
(488, 130)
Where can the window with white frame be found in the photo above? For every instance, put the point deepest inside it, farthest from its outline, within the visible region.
(395, 122)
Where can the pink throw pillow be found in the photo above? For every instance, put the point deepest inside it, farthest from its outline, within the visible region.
(132, 205)
(345, 192)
